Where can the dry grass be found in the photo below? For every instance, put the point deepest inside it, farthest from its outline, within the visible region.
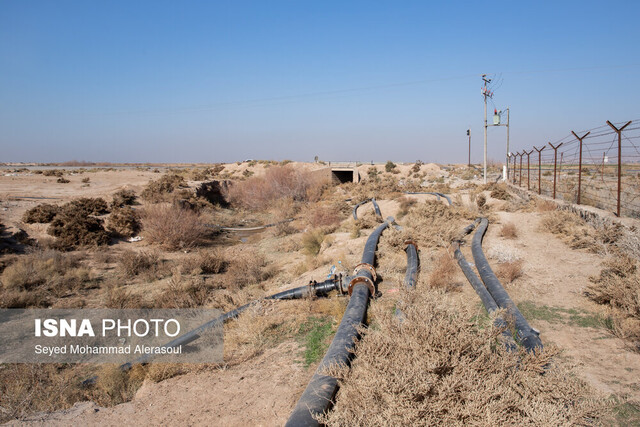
(572, 229)
(434, 224)
(206, 261)
(618, 286)
(123, 222)
(248, 267)
(39, 278)
(172, 227)
(437, 368)
(545, 205)
(257, 193)
(183, 292)
(509, 231)
(323, 216)
(509, 271)
(443, 273)
(312, 241)
(132, 263)
(405, 204)
(500, 192)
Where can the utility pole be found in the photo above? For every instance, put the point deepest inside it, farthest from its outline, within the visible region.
(485, 93)
(469, 135)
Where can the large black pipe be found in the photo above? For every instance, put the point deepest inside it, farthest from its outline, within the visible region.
(376, 208)
(318, 397)
(487, 300)
(527, 336)
(411, 276)
(317, 289)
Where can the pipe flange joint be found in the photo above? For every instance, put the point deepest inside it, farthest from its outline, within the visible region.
(368, 267)
(410, 242)
(361, 279)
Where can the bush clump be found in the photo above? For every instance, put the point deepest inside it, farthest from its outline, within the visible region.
(123, 198)
(279, 182)
(172, 226)
(34, 279)
(123, 222)
(43, 213)
(438, 368)
(132, 263)
(389, 166)
(74, 229)
(86, 206)
(163, 189)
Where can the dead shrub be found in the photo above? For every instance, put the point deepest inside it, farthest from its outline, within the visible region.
(247, 268)
(62, 180)
(183, 292)
(435, 224)
(618, 286)
(43, 213)
(437, 368)
(205, 262)
(164, 189)
(405, 204)
(312, 241)
(120, 298)
(172, 227)
(509, 271)
(27, 388)
(323, 216)
(74, 229)
(52, 172)
(500, 193)
(86, 206)
(123, 222)
(132, 263)
(509, 231)
(443, 273)
(123, 198)
(36, 278)
(278, 182)
(481, 201)
(545, 205)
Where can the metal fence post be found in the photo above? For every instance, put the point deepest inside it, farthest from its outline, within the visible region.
(540, 167)
(514, 167)
(528, 168)
(520, 181)
(619, 132)
(580, 162)
(555, 165)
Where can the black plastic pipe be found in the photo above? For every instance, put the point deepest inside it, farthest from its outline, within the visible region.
(438, 195)
(317, 289)
(376, 208)
(487, 300)
(527, 336)
(318, 397)
(411, 276)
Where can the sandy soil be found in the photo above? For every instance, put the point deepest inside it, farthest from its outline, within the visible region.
(260, 392)
(263, 390)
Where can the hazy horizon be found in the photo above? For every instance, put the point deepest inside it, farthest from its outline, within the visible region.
(167, 82)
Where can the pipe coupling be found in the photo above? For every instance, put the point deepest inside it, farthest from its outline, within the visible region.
(410, 242)
(361, 279)
(365, 266)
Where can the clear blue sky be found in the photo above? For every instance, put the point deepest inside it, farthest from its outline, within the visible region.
(189, 81)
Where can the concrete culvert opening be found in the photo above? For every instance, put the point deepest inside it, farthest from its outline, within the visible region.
(342, 176)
